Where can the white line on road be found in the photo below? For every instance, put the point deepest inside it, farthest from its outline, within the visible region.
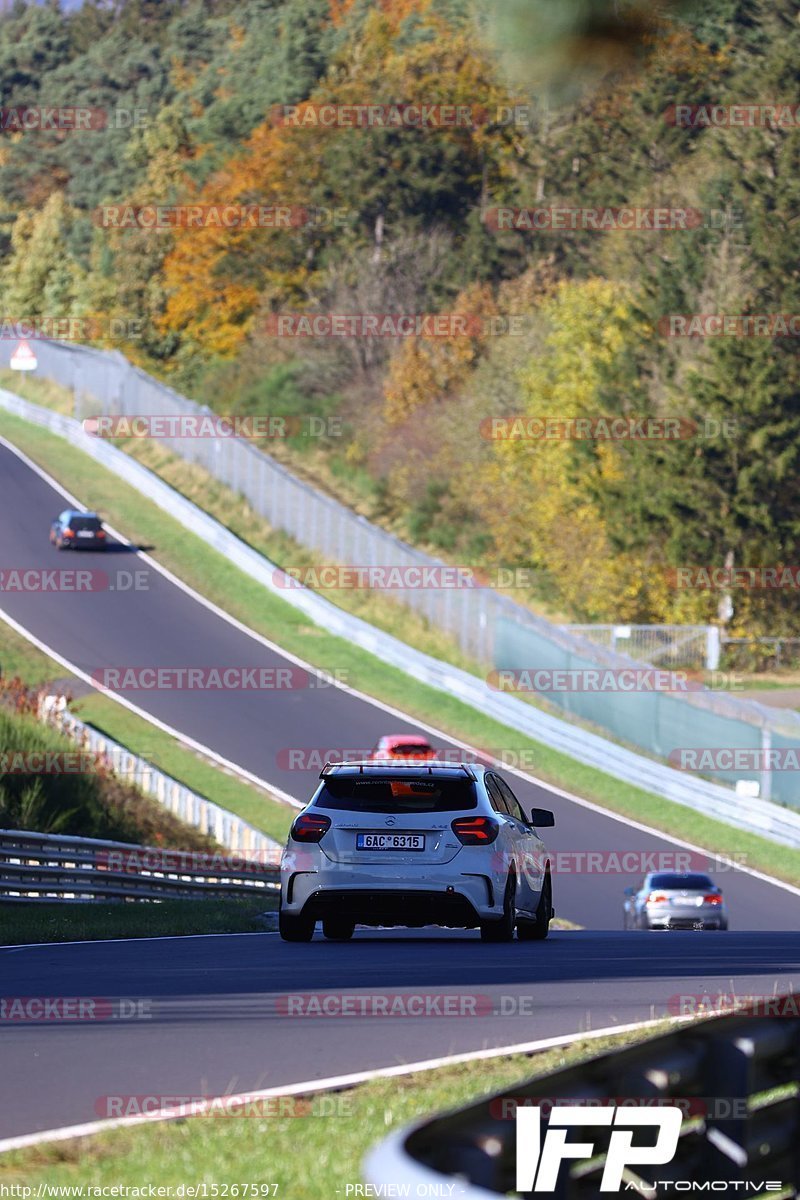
(285, 796)
(312, 1086)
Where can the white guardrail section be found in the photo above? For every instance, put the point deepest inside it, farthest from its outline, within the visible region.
(751, 814)
(45, 866)
(203, 814)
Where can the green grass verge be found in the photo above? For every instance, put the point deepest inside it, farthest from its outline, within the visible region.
(20, 657)
(182, 763)
(210, 573)
(21, 924)
(78, 803)
(310, 1158)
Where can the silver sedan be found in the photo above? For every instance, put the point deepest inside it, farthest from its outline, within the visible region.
(670, 900)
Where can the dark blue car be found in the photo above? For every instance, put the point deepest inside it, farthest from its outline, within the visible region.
(73, 530)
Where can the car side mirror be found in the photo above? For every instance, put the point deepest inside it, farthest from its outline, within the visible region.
(543, 818)
(629, 891)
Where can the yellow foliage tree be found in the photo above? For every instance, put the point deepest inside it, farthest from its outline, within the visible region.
(538, 497)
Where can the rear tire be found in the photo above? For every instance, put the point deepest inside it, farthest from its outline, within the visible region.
(294, 928)
(502, 930)
(537, 931)
(338, 929)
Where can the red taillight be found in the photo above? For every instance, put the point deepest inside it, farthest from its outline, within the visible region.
(657, 898)
(475, 831)
(101, 533)
(712, 898)
(69, 533)
(310, 828)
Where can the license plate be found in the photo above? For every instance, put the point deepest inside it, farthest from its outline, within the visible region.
(85, 533)
(390, 841)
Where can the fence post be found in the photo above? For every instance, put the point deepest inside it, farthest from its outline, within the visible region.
(712, 647)
(766, 773)
(483, 653)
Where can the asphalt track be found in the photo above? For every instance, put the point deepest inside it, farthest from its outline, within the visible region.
(216, 1030)
(218, 1015)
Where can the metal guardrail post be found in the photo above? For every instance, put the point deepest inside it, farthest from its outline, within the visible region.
(40, 866)
(186, 805)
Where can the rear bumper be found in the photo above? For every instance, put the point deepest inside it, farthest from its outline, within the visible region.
(410, 908)
(459, 902)
(687, 920)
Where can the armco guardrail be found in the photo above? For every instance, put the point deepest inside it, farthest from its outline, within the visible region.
(715, 1071)
(39, 867)
(203, 814)
(488, 626)
(751, 814)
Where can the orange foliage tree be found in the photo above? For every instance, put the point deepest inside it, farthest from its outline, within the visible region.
(383, 181)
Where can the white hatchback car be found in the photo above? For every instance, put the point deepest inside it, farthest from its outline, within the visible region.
(415, 844)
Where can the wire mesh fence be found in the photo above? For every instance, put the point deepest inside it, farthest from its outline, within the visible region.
(696, 646)
(488, 627)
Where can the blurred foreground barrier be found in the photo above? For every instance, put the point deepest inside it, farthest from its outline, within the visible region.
(733, 1078)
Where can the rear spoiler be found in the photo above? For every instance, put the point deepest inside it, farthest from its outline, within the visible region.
(388, 771)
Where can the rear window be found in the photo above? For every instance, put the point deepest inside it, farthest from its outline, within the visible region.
(691, 882)
(397, 795)
(90, 523)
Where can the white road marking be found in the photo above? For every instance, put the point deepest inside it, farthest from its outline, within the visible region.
(309, 1087)
(285, 796)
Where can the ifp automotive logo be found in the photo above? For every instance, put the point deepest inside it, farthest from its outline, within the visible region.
(539, 1159)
